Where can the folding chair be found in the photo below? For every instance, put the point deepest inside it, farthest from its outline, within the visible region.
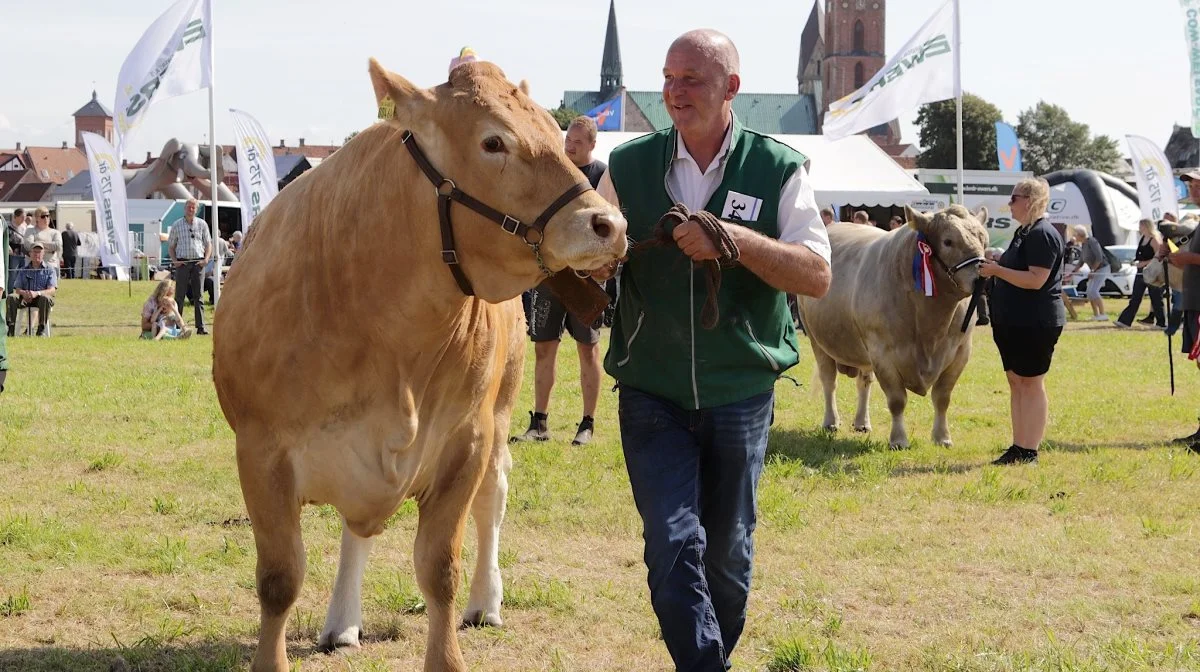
(29, 323)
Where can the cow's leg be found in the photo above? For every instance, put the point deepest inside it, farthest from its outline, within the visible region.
(827, 371)
(487, 589)
(897, 399)
(269, 492)
(862, 416)
(436, 556)
(940, 393)
(343, 622)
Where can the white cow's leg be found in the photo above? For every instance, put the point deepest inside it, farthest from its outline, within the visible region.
(897, 398)
(487, 589)
(862, 416)
(343, 623)
(827, 371)
(941, 394)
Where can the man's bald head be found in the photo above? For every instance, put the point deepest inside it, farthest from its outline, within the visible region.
(716, 47)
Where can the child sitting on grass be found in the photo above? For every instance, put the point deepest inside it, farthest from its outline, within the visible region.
(160, 315)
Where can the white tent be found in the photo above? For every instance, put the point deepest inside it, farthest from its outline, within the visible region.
(849, 171)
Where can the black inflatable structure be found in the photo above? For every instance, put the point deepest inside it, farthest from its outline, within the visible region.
(1091, 184)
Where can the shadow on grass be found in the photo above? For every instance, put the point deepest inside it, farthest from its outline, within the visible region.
(816, 448)
(1067, 447)
(144, 656)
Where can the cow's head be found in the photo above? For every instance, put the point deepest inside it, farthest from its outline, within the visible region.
(958, 239)
(487, 136)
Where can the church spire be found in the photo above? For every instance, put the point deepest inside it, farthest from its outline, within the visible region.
(611, 78)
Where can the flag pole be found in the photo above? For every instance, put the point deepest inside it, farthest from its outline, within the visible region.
(624, 102)
(214, 160)
(958, 97)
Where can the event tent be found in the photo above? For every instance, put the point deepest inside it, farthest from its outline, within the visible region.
(849, 171)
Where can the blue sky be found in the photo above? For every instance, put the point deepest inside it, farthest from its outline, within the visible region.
(299, 66)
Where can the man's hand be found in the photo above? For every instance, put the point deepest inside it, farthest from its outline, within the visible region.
(694, 242)
(989, 269)
(1183, 258)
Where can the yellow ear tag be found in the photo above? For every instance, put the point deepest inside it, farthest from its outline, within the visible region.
(387, 108)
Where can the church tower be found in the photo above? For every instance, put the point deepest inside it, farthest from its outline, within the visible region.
(611, 78)
(854, 50)
(93, 117)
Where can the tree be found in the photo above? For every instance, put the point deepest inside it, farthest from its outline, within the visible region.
(1051, 141)
(350, 137)
(563, 115)
(938, 123)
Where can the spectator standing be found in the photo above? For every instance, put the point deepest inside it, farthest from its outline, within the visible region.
(547, 318)
(70, 250)
(1148, 246)
(190, 247)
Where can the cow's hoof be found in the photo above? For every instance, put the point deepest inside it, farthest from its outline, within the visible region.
(944, 443)
(350, 638)
(895, 445)
(479, 619)
(862, 429)
(832, 429)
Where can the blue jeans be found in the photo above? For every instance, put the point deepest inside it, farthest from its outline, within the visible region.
(695, 480)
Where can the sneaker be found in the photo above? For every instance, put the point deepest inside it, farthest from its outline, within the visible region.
(537, 429)
(41, 331)
(1149, 319)
(1101, 318)
(12, 330)
(1121, 325)
(201, 332)
(1017, 455)
(1190, 440)
(185, 333)
(583, 435)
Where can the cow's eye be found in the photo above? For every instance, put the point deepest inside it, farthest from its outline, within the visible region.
(493, 145)
(948, 243)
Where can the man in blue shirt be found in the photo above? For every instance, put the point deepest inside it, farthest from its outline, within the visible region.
(36, 286)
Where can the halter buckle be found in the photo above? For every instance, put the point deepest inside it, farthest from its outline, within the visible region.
(445, 180)
(510, 229)
(450, 257)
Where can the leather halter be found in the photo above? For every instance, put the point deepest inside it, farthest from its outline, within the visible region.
(447, 191)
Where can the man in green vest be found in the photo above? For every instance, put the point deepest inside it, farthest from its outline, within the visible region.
(696, 403)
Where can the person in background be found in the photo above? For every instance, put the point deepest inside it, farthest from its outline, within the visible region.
(827, 216)
(190, 247)
(861, 217)
(895, 222)
(1189, 304)
(548, 317)
(1099, 270)
(3, 345)
(50, 239)
(1148, 246)
(36, 286)
(70, 249)
(1027, 315)
(16, 245)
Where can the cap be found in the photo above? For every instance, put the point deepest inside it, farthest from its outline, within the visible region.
(37, 246)
(1193, 174)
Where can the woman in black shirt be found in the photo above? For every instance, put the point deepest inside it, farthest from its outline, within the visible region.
(1027, 314)
(1147, 247)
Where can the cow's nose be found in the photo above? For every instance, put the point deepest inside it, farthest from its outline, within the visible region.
(605, 225)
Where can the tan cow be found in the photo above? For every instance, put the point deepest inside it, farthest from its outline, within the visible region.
(356, 372)
(875, 324)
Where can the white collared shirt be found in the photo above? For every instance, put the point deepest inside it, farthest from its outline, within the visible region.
(799, 217)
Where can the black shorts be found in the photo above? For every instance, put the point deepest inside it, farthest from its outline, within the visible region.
(1026, 351)
(1190, 328)
(548, 317)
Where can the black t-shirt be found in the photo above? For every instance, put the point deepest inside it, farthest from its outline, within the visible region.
(1041, 246)
(70, 243)
(594, 171)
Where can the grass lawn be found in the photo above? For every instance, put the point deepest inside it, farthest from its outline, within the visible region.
(123, 535)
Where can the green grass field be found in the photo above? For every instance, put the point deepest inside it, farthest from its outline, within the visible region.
(124, 543)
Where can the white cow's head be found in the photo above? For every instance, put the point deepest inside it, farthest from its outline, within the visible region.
(958, 240)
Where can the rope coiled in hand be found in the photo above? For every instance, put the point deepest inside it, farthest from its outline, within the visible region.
(726, 248)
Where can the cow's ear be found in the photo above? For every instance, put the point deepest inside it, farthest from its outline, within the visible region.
(393, 91)
(982, 216)
(524, 87)
(916, 219)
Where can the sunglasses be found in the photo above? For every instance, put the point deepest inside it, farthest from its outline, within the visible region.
(43, 216)
(1014, 198)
